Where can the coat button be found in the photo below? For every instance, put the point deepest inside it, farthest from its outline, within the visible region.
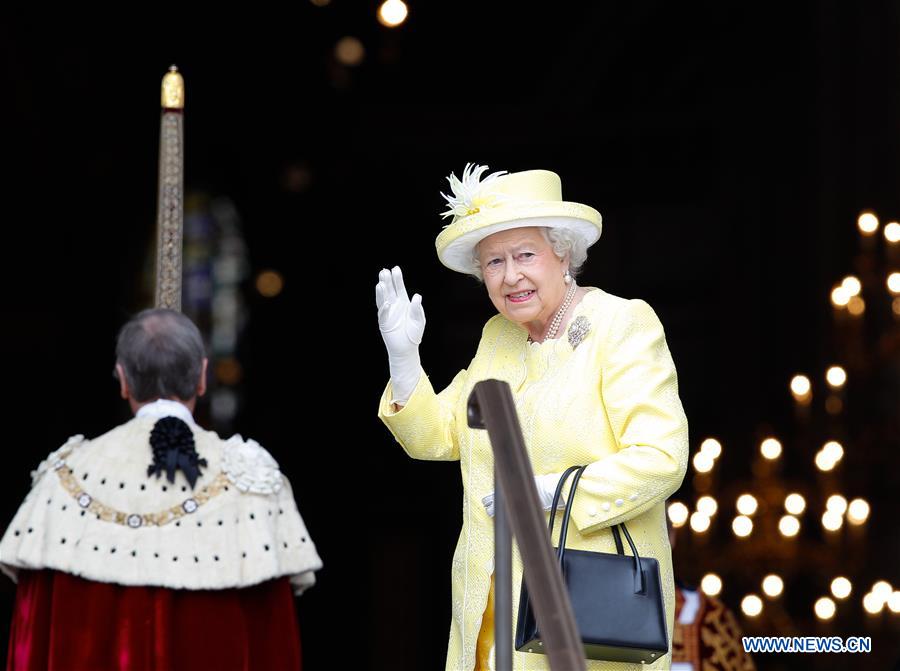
(633, 497)
(619, 502)
(592, 511)
(606, 506)
(489, 565)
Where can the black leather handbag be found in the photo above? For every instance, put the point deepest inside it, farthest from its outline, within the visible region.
(617, 600)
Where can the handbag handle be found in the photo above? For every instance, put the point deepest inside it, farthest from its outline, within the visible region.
(563, 532)
(558, 493)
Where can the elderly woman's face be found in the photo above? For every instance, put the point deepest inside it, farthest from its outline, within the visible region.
(523, 275)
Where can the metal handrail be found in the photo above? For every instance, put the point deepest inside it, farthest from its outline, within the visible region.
(491, 407)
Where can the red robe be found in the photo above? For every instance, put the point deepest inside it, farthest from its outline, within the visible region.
(712, 641)
(64, 623)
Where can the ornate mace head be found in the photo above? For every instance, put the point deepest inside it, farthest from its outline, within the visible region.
(170, 200)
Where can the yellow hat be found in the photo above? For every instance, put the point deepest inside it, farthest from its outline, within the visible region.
(502, 201)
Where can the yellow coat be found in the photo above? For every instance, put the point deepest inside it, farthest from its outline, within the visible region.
(611, 402)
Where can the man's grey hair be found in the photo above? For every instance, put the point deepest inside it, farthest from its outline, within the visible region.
(563, 242)
(162, 354)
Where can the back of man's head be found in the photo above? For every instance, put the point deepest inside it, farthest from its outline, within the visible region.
(161, 352)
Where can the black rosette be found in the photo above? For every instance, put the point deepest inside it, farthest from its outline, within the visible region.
(173, 448)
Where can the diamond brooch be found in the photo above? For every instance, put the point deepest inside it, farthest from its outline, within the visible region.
(578, 329)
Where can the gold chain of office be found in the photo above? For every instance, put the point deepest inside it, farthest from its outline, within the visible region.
(137, 520)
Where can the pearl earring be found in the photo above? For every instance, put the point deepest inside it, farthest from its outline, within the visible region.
(567, 278)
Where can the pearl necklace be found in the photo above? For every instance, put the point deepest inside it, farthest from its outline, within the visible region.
(557, 320)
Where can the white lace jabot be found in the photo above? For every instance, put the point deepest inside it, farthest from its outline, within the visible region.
(163, 407)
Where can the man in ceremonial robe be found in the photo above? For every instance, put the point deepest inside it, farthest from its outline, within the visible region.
(707, 636)
(157, 545)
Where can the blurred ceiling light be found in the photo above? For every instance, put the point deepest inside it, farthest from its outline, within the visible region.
(823, 462)
(893, 283)
(837, 503)
(711, 584)
(751, 605)
(883, 590)
(703, 463)
(699, 522)
(892, 232)
(895, 306)
(349, 51)
(851, 285)
(742, 526)
(868, 223)
(800, 385)
(269, 283)
(833, 404)
(228, 371)
(841, 587)
(893, 602)
(712, 447)
(707, 505)
(747, 504)
(832, 520)
(840, 296)
(678, 513)
(856, 306)
(320, 3)
(872, 603)
(833, 450)
(772, 585)
(825, 608)
(794, 503)
(770, 448)
(789, 526)
(392, 13)
(857, 511)
(836, 376)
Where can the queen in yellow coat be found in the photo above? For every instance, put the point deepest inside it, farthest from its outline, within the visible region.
(592, 379)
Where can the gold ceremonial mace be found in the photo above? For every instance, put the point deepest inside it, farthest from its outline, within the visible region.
(170, 201)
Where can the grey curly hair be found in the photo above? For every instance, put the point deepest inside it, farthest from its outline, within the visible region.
(563, 242)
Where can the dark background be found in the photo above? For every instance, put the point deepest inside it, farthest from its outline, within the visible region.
(729, 148)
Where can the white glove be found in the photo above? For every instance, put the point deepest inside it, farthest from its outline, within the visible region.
(546, 488)
(402, 324)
